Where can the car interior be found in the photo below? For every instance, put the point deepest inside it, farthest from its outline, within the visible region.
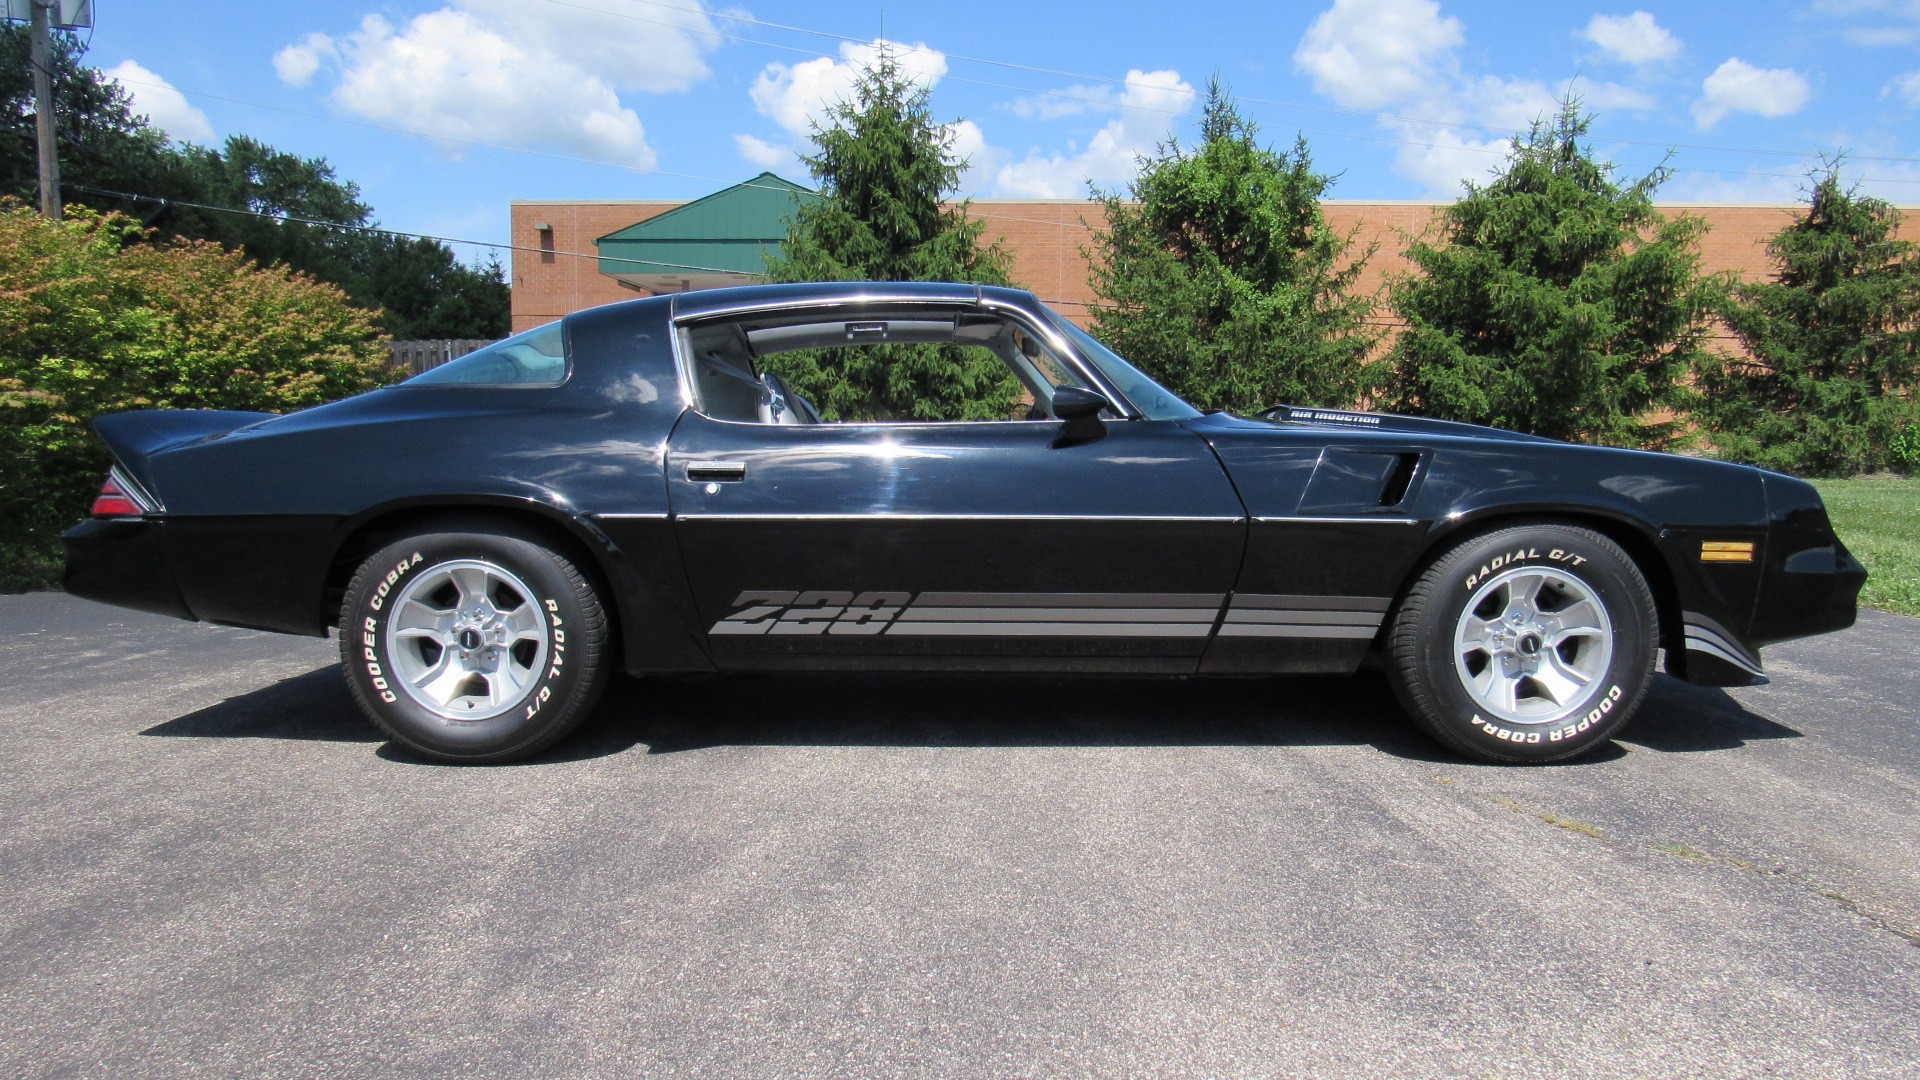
(728, 383)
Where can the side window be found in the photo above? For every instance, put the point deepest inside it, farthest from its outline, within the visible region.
(892, 367)
(535, 358)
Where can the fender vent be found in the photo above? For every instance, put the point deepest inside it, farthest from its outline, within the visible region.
(1399, 480)
(1354, 481)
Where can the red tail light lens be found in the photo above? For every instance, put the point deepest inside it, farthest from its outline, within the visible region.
(114, 502)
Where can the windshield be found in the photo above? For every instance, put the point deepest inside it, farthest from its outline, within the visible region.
(535, 358)
(1154, 401)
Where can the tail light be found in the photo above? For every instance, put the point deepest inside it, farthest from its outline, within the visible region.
(117, 498)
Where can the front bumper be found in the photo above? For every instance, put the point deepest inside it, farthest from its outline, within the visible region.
(123, 562)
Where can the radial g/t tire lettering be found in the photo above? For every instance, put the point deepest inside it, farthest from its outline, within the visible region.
(478, 647)
(1529, 644)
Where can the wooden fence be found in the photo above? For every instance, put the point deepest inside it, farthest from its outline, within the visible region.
(418, 356)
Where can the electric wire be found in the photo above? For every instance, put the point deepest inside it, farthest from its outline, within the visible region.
(741, 17)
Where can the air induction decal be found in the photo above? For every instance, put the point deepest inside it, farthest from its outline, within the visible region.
(953, 614)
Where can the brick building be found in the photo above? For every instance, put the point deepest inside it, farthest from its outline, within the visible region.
(574, 255)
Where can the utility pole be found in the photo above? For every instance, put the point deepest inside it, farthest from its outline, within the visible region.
(41, 38)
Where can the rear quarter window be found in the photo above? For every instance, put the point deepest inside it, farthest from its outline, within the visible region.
(537, 357)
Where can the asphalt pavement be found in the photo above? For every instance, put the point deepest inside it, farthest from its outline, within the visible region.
(212, 866)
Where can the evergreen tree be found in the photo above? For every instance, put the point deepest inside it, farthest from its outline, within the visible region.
(1221, 278)
(1833, 342)
(885, 170)
(1560, 303)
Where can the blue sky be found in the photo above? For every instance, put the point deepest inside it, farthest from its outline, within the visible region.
(444, 111)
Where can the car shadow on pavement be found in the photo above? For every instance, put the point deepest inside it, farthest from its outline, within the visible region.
(314, 706)
(676, 715)
(1680, 718)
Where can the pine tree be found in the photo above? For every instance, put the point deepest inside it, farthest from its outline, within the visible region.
(1833, 342)
(1221, 278)
(886, 170)
(1560, 302)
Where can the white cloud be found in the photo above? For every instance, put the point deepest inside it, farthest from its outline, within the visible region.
(506, 71)
(1371, 53)
(984, 160)
(164, 107)
(1739, 189)
(763, 153)
(1633, 39)
(1071, 101)
(1906, 88)
(798, 96)
(1876, 35)
(1146, 109)
(1737, 86)
(298, 64)
(1441, 159)
(1403, 57)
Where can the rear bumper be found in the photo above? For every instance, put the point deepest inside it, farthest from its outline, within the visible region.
(123, 562)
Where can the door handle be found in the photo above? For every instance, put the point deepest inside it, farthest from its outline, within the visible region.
(717, 470)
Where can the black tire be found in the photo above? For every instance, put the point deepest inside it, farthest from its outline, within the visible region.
(517, 676)
(1509, 690)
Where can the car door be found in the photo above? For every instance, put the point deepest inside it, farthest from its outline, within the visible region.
(971, 545)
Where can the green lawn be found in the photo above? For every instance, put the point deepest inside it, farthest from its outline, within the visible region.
(1878, 517)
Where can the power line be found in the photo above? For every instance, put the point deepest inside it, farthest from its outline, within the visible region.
(519, 149)
(167, 201)
(1277, 103)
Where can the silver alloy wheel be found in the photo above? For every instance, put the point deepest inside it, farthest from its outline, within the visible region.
(467, 638)
(1532, 645)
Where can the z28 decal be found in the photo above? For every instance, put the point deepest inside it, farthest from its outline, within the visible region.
(946, 614)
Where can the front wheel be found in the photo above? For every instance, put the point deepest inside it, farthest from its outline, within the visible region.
(474, 647)
(1528, 644)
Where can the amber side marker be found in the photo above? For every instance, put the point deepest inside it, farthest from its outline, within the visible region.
(1726, 551)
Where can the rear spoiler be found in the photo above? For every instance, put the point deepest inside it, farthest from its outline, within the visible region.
(135, 437)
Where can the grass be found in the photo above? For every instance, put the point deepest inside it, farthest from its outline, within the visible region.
(27, 567)
(1878, 517)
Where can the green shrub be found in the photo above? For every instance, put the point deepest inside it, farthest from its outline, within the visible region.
(1903, 451)
(94, 320)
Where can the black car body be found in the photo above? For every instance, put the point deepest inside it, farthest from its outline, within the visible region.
(1145, 539)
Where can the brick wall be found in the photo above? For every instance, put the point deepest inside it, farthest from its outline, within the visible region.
(1046, 238)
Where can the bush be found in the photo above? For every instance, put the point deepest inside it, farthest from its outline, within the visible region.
(1903, 452)
(94, 319)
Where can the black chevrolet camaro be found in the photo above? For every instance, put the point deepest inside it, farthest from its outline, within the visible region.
(631, 488)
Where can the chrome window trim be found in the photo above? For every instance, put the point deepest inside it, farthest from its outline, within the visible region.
(132, 490)
(1040, 328)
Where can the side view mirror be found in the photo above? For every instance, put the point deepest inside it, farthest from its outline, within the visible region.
(1080, 408)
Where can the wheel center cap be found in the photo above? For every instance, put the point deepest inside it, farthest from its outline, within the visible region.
(1530, 644)
(469, 638)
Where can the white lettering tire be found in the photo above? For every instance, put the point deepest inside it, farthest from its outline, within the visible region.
(476, 647)
(1528, 644)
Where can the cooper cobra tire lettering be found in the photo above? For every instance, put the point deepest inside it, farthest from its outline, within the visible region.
(1432, 622)
(418, 699)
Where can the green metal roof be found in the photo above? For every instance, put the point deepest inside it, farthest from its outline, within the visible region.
(732, 230)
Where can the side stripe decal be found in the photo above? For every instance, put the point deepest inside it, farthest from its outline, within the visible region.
(938, 614)
(1705, 635)
(1139, 615)
(1355, 618)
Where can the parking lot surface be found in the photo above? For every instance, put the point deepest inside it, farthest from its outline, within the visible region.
(211, 865)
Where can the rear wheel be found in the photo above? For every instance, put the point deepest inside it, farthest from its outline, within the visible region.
(1529, 644)
(478, 647)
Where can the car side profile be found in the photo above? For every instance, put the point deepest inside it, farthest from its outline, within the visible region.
(634, 488)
